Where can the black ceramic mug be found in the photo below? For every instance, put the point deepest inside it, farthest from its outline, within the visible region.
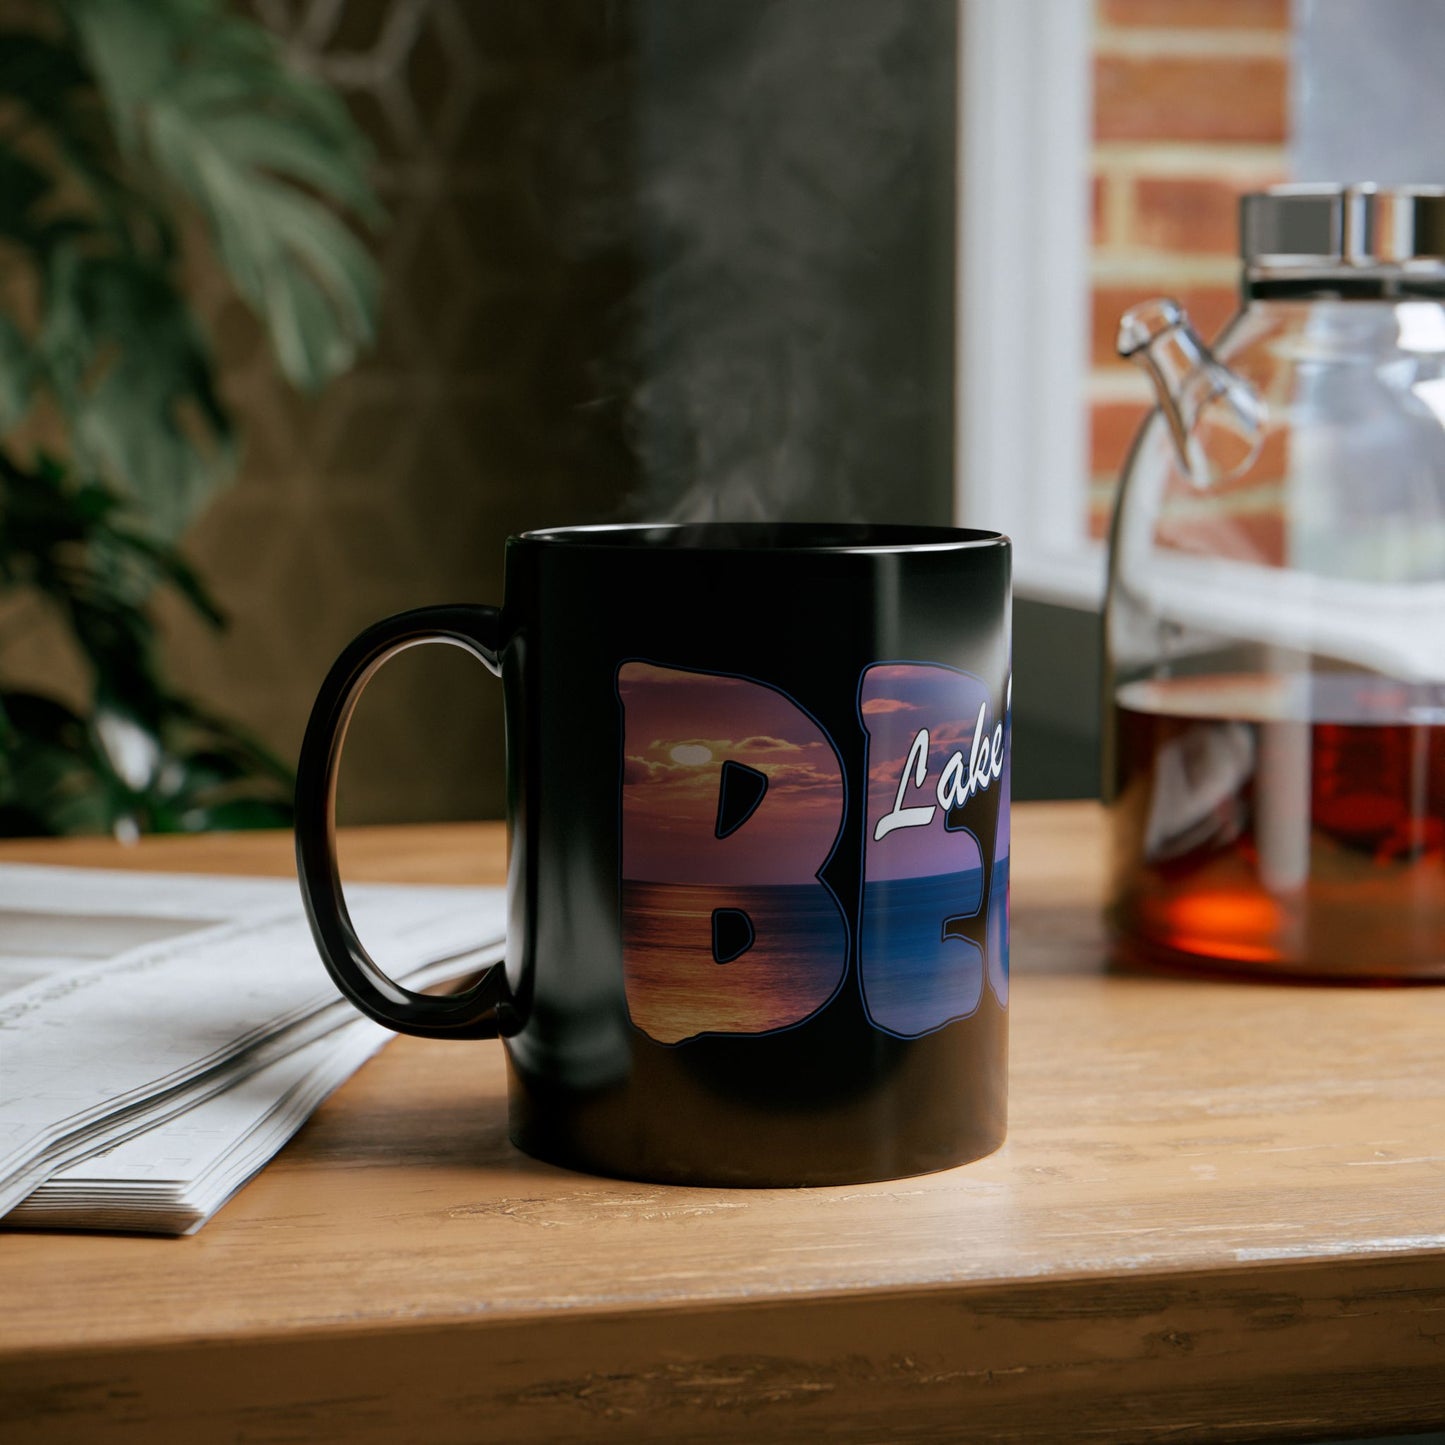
(758, 797)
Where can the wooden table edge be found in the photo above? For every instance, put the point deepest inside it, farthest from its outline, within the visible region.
(1019, 1357)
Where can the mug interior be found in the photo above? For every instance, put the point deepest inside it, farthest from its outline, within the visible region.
(768, 536)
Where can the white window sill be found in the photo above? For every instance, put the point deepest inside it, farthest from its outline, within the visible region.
(1025, 122)
(1063, 579)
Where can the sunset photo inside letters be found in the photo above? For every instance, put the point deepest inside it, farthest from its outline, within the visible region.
(679, 729)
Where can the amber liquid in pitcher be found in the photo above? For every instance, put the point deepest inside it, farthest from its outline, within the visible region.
(1283, 825)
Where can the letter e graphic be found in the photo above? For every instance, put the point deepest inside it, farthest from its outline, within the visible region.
(930, 911)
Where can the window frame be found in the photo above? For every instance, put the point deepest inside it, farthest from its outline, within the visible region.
(1025, 127)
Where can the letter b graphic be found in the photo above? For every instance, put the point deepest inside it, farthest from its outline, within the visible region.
(732, 800)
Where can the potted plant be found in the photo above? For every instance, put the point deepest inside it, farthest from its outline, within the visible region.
(130, 129)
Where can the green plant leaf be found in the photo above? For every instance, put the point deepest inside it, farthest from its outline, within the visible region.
(22, 186)
(17, 370)
(60, 774)
(242, 747)
(264, 152)
(37, 72)
(134, 378)
(49, 783)
(169, 566)
(53, 95)
(74, 547)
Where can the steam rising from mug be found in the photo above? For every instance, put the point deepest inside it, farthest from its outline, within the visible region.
(790, 332)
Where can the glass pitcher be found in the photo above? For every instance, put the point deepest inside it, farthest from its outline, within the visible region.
(1275, 622)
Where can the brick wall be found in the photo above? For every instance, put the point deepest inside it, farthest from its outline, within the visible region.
(1190, 110)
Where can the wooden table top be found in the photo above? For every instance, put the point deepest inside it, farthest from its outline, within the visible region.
(1220, 1213)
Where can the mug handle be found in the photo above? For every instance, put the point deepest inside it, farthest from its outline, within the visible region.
(471, 1014)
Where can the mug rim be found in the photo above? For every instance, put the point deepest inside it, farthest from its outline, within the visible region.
(773, 537)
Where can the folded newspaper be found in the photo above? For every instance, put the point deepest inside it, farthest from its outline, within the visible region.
(161, 1036)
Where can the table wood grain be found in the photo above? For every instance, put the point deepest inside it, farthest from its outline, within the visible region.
(1220, 1214)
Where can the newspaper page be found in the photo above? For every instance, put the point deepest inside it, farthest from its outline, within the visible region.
(129, 1000)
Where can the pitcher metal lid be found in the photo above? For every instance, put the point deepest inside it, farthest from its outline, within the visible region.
(1311, 228)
